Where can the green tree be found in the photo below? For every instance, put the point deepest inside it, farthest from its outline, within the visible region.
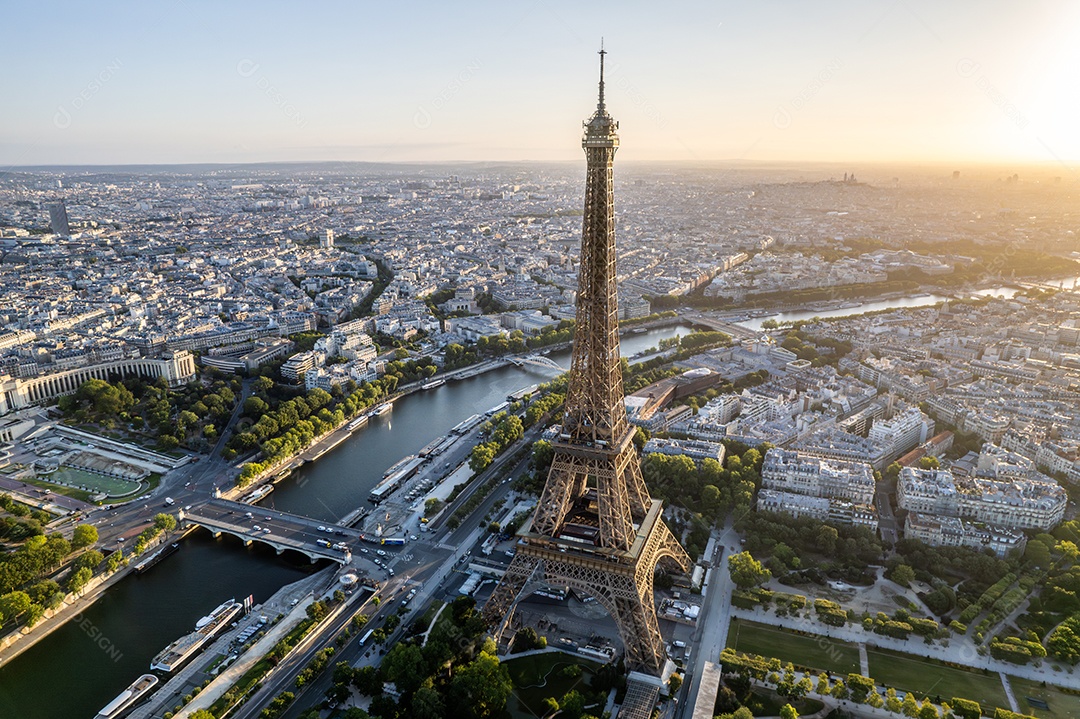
(13, 604)
(481, 457)
(927, 710)
(966, 708)
(202, 714)
(572, 704)
(827, 538)
(164, 522)
(89, 559)
(481, 687)
(255, 406)
(404, 666)
(903, 575)
(34, 614)
(84, 535)
(368, 681)
(746, 571)
(79, 579)
(788, 712)
(909, 706)
(116, 560)
(427, 704)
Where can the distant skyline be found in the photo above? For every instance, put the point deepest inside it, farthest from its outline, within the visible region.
(839, 80)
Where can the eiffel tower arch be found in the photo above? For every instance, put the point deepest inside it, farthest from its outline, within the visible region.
(595, 527)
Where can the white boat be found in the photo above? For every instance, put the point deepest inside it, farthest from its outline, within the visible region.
(433, 384)
(127, 698)
(178, 652)
(382, 409)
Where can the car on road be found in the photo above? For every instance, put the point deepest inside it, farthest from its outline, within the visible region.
(267, 518)
(267, 530)
(380, 552)
(363, 550)
(322, 529)
(412, 537)
(257, 528)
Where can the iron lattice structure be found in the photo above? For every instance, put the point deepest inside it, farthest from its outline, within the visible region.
(595, 528)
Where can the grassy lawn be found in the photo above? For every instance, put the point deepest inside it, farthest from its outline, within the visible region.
(818, 652)
(926, 676)
(419, 626)
(766, 703)
(58, 489)
(1062, 705)
(537, 677)
(94, 483)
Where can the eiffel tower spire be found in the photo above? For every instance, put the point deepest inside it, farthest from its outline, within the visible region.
(595, 527)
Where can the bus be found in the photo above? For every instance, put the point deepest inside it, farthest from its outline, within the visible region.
(367, 635)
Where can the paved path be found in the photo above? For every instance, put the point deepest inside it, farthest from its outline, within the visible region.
(1013, 704)
(714, 620)
(864, 661)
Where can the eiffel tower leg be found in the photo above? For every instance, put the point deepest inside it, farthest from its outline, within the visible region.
(565, 483)
(640, 633)
(499, 608)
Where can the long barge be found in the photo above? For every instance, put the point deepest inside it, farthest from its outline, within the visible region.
(156, 557)
(258, 494)
(128, 698)
(172, 656)
(394, 476)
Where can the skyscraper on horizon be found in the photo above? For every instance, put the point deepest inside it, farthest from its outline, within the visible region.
(58, 219)
(595, 528)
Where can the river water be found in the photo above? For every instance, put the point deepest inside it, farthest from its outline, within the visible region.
(755, 323)
(80, 667)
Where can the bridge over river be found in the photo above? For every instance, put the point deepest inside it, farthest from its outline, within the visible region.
(280, 530)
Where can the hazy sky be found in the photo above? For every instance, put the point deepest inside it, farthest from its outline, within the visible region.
(851, 80)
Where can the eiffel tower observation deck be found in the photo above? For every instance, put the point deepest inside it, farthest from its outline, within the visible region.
(595, 527)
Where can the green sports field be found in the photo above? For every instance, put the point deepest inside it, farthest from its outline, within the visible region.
(94, 483)
(819, 652)
(931, 678)
(1062, 705)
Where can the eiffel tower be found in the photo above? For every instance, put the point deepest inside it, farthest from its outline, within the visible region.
(595, 528)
